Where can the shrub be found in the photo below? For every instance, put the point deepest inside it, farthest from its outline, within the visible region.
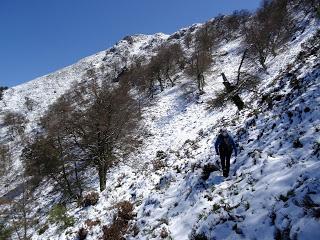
(120, 224)
(90, 223)
(283, 198)
(82, 234)
(310, 205)
(15, 121)
(125, 210)
(58, 214)
(318, 11)
(2, 89)
(164, 233)
(207, 170)
(158, 164)
(316, 213)
(199, 236)
(161, 154)
(215, 207)
(297, 143)
(43, 229)
(5, 231)
(90, 199)
(29, 103)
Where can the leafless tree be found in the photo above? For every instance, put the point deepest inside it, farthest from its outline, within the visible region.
(198, 64)
(234, 23)
(16, 122)
(5, 157)
(105, 126)
(171, 60)
(52, 152)
(232, 91)
(20, 215)
(270, 28)
(205, 38)
(188, 40)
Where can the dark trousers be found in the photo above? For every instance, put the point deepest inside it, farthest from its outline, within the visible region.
(225, 161)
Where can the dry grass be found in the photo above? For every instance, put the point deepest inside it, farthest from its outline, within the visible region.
(120, 225)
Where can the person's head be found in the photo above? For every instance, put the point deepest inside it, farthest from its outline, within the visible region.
(224, 132)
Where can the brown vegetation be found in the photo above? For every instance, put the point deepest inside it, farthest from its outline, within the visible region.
(120, 225)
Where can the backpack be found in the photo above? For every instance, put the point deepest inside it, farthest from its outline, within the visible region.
(225, 144)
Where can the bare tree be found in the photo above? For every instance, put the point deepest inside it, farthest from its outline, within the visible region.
(107, 124)
(244, 82)
(188, 40)
(198, 64)
(15, 121)
(270, 28)
(20, 216)
(171, 60)
(5, 157)
(234, 23)
(155, 68)
(53, 153)
(205, 38)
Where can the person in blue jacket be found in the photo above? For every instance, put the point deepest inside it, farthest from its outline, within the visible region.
(224, 146)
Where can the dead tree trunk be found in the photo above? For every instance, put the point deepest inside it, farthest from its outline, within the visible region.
(236, 99)
(239, 69)
(232, 89)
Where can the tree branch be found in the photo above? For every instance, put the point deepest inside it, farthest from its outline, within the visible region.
(239, 69)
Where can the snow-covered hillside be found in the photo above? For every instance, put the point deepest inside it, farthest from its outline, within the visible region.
(274, 187)
(44, 91)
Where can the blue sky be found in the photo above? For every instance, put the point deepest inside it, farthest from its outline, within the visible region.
(40, 36)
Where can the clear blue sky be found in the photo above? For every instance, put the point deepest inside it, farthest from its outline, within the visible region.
(40, 36)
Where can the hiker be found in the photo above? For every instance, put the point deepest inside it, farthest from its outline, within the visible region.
(224, 146)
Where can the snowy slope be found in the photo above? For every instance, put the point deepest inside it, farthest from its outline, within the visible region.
(274, 185)
(45, 90)
(272, 180)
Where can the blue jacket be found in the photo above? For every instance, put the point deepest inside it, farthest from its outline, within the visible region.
(230, 140)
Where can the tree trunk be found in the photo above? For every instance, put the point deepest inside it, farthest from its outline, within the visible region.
(151, 88)
(78, 179)
(170, 79)
(102, 178)
(66, 180)
(24, 211)
(239, 69)
(161, 84)
(227, 84)
(200, 79)
(238, 102)
(199, 83)
(236, 99)
(64, 172)
(262, 61)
